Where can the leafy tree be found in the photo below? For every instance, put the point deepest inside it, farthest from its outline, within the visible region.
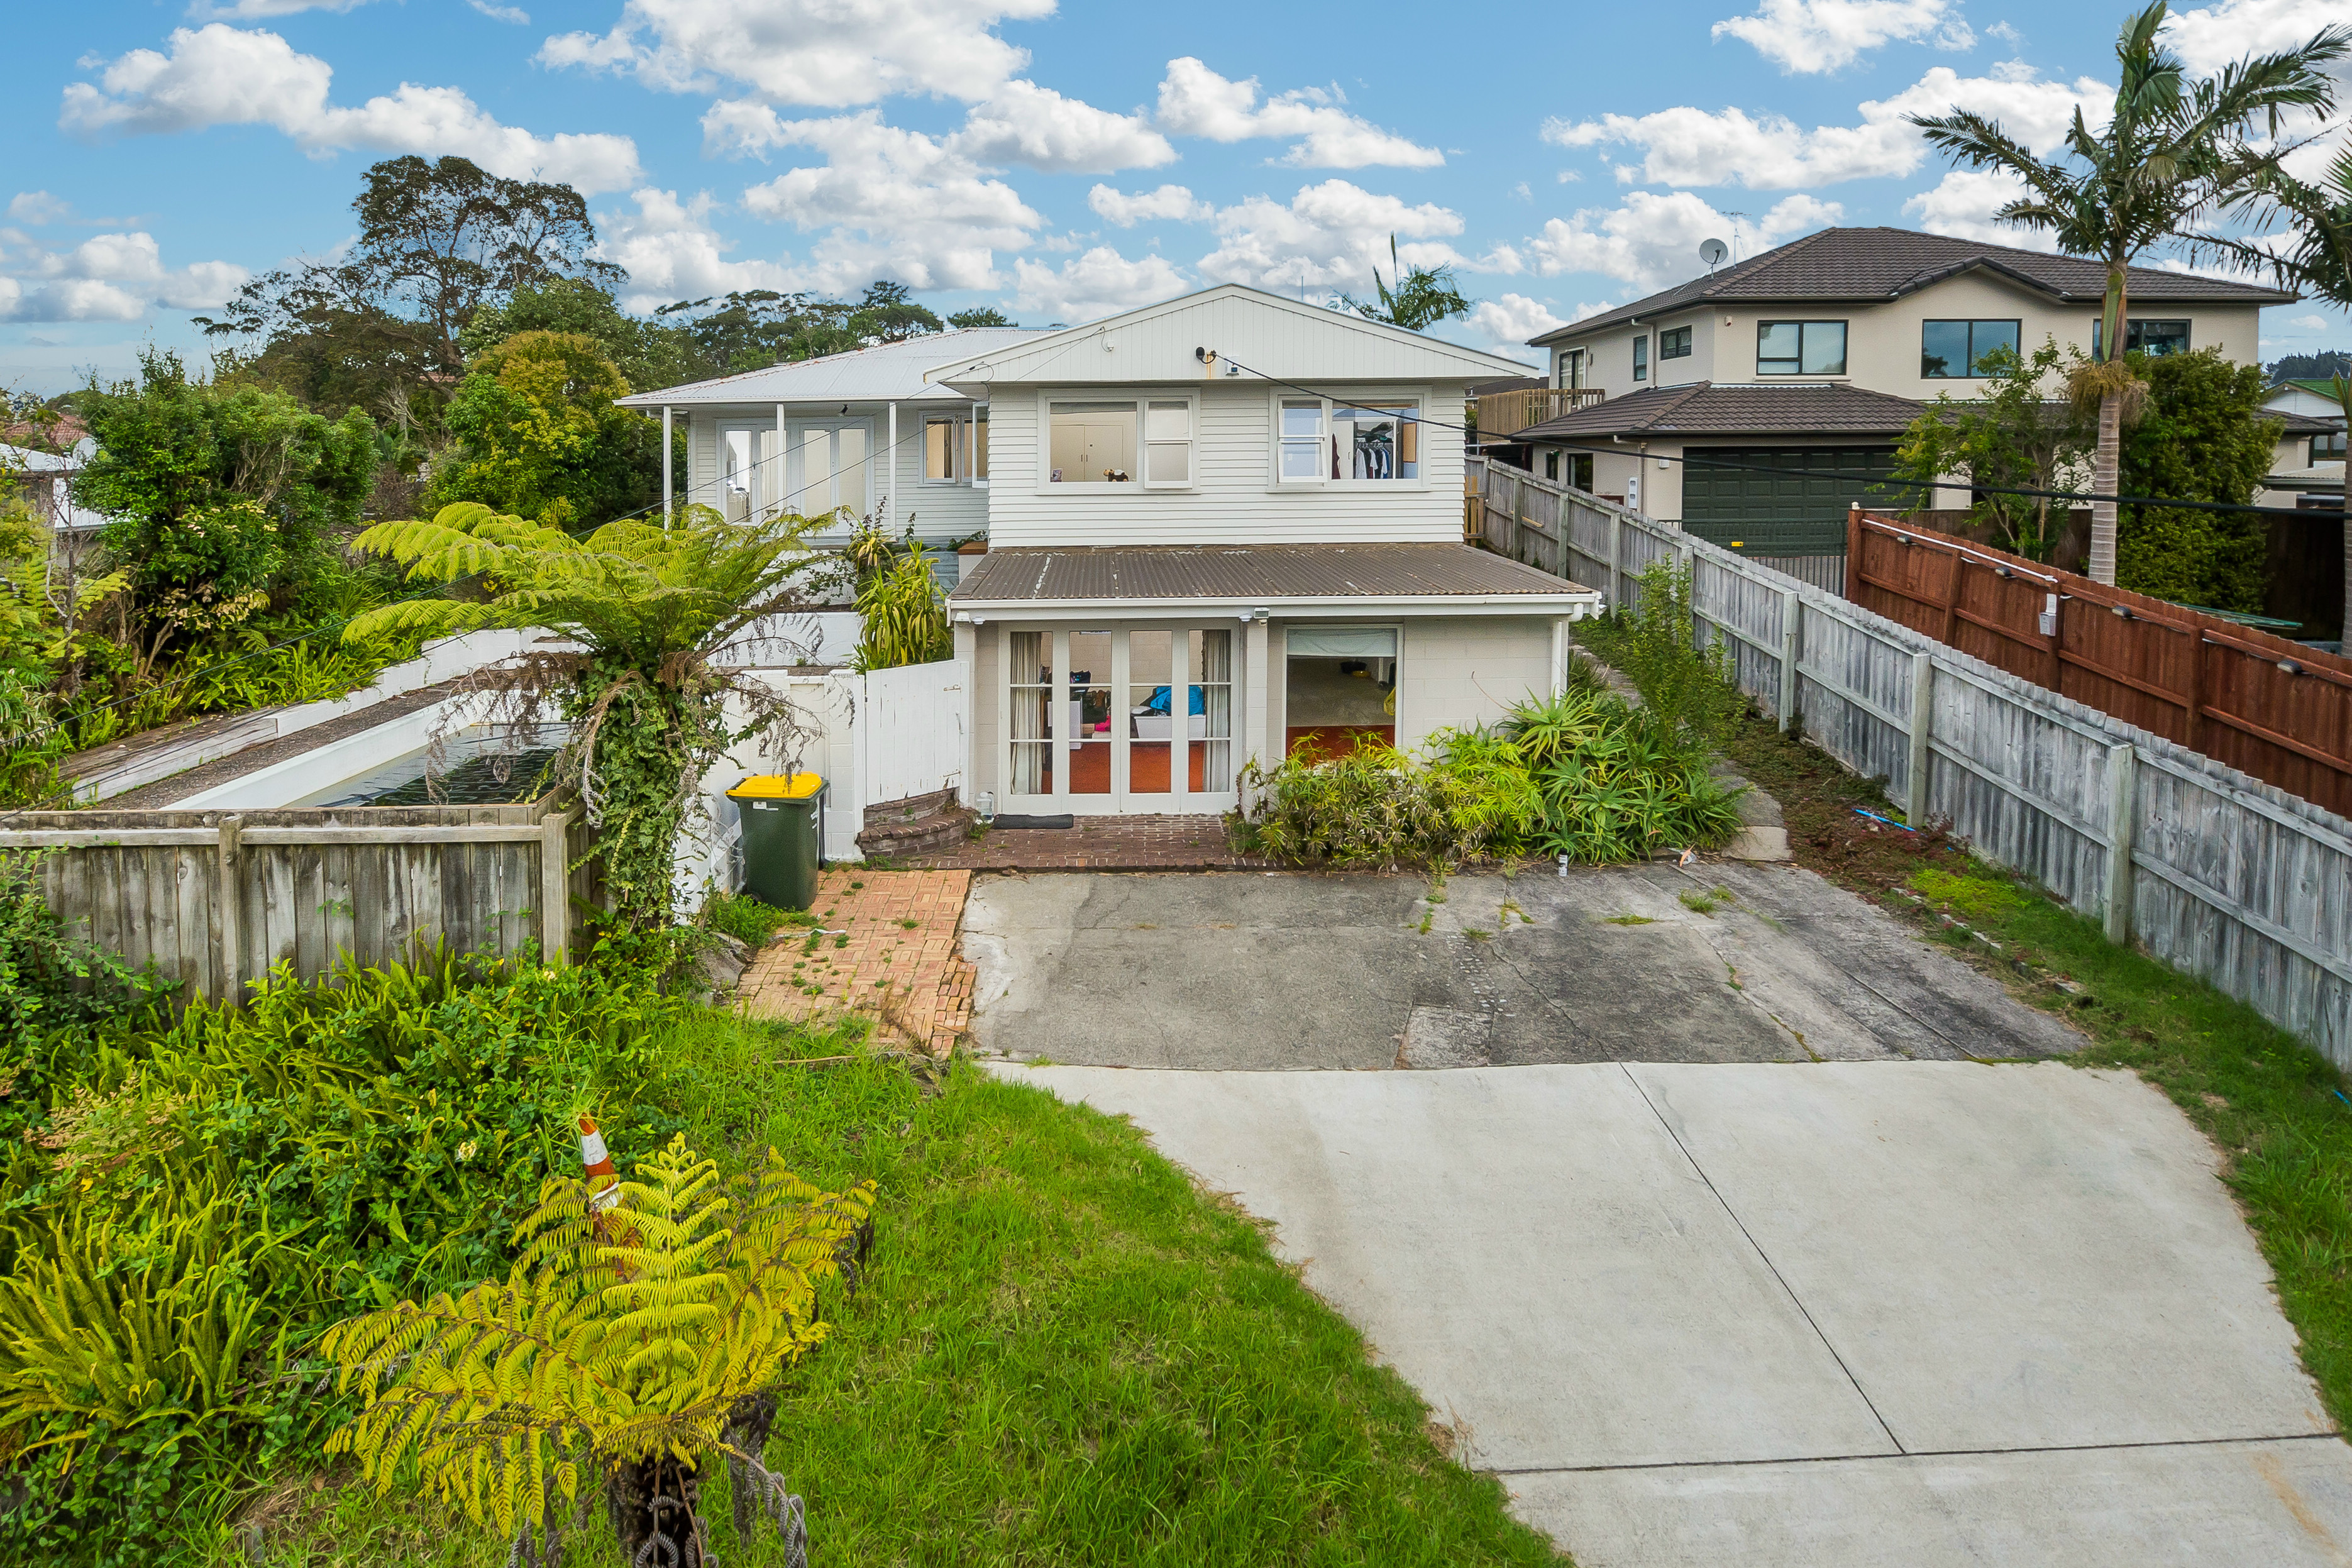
(754, 329)
(2171, 152)
(438, 241)
(220, 496)
(2012, 436)
(2203, 438)
(1423, 297)
(887, 315)
(651, 607)
(2320, 366)
(981, 315)
(538, 436)
(646, 353)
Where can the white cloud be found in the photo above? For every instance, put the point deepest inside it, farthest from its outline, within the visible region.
(37, 207)
(106, 277)
(890, 201)
(2312, 323)
(831, 54)
(1509, 321)
(671, 252)
(1653, 240)
(1100, 283)
(1962, 204)
(257, 10)
(220, 74)
(1330, 235)
(1023, 123)
(1196, 101)
(1687, 146)
(2213, 37)
(2007, 35)
(514, 13)
(1808, 36)
(1168, 204)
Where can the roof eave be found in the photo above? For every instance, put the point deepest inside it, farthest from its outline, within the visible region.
(1569, 595)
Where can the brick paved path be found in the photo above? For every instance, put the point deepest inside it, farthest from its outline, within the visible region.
(886, 948)
(1101, 844)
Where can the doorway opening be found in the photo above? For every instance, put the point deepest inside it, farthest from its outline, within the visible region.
(1338, 688)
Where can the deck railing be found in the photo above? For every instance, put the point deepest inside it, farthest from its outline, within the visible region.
(1505, 414)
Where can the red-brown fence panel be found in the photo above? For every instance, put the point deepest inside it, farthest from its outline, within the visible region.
(2261, 703)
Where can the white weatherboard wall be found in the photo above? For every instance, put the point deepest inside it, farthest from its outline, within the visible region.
(1233, 499)
(941, 510)
(2211, 870)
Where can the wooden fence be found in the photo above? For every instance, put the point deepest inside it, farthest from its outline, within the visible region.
(2261, 703)
(2209, 869)
(217, 899)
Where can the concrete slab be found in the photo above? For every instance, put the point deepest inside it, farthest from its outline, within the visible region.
(2282, 1505)
(2027, 1257)
(1525, 1245)
(1264, 971)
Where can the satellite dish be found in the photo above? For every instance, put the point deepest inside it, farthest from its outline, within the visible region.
(1713, 252)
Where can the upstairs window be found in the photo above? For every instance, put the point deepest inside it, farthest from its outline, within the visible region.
(1321, 441)
(944, 462)
(1641, 357)
(1675, 344)
(1168, 442)
(2145, 337)
(1950, 350)
(979, 444)
(1092, 444)
(2327, 447)
(1571, 367)
(1800, 348)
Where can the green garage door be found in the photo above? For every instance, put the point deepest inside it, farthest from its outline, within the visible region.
(1781, 513)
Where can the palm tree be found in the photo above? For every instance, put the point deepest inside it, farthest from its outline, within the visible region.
(2173, 151)
(1424, 295)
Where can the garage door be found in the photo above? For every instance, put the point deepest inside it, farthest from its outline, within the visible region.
(1785, 509)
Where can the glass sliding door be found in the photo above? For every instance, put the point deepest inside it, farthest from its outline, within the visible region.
(1154, 718)
(1029, 659)
(1089, 699)
(1210, 673)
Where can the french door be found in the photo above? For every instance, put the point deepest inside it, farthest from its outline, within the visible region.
(1120, 719)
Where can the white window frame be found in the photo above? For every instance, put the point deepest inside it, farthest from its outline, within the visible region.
(1347, 398)
(1142, 402)
(971, 463)
(767, 470)
(959, 451)
(798, 496)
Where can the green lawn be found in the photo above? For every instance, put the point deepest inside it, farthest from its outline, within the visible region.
(2277, 1109)
(1063, 1353)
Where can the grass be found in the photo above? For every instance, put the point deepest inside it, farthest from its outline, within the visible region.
(2276, 1110)
(1063, 1353)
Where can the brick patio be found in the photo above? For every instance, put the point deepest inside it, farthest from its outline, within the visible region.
(1101, 844)
(886, 948)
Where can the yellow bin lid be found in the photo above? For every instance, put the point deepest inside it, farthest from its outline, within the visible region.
(778, 786)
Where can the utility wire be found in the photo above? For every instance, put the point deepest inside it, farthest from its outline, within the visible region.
(1875, 481)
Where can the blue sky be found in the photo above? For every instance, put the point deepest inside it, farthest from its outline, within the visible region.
(1058, 163)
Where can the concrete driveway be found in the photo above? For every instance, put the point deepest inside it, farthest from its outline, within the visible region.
(1715, 1245)
(1262, 971)
(1814, 1315)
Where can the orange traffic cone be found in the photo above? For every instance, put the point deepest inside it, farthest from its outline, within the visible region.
(596, 1163)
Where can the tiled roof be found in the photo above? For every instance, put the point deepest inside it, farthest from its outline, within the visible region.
(1252, 573)
(1704, 408)
(1872, 264)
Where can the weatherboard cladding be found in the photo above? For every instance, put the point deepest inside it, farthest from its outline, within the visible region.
(1252, 573)
(1704, 408)
(1870, 264)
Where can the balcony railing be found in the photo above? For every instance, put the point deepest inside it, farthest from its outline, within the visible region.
(1502, 415)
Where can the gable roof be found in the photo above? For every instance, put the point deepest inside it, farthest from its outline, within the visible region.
(1704, 408)
(2316, 386)
(884, 372)
(1875, 264)
(1277, 338)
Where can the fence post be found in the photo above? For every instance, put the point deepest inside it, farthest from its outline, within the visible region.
(556, 888)
(1792, 622)
(1923, 720)
(1617, 560)
(1854, 551)
(2122, 813)
(230, 903)
(2193, 731)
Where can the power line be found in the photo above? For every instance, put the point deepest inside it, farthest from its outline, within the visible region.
(1875, 481)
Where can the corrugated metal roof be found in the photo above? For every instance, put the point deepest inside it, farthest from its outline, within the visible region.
(1886, 263)
(884, 372)
(1703, 408)
(1243, 573)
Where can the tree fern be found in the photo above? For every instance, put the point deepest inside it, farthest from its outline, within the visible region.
(618, 1337)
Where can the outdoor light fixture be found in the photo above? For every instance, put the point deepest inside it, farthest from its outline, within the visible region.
(1262, 612)
(2002, 571)
(2290, 667)
(2122, 610)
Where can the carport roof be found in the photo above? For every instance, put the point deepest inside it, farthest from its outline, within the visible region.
(1706, 408)
(1253, 574)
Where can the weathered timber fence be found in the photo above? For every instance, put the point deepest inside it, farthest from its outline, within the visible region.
(2209, 869)
(2261, 703)
(217, 899)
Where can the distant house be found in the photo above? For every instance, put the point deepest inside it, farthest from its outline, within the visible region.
(2315, 416)
(43, 482)
(1815, 355)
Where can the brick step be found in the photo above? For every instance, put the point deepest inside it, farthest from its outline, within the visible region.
(919, 825)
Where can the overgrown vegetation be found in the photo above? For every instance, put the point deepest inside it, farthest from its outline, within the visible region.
(903, 615)
(2202, 437)
(2015, 432)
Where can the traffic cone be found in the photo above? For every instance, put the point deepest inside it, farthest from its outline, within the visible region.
(596, 1163)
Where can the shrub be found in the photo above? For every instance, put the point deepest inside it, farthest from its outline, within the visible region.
(747, 920)
(49, 980)
(1654, 644)
(903, 617)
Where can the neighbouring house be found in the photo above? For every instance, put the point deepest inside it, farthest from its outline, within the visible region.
(845, 438)
(1829, 344)
(43, 482)
(1221, 529)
